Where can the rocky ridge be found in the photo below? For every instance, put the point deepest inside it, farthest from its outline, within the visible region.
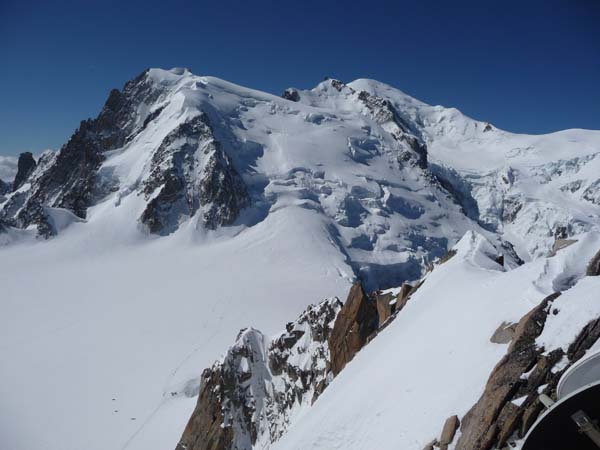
(248, 399)
(503, 414)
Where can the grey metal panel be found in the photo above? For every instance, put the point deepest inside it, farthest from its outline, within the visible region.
(583, 372)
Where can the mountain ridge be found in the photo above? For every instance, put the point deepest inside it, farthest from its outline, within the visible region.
(390, 145)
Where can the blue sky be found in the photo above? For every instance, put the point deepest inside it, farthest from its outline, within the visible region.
(526, 66)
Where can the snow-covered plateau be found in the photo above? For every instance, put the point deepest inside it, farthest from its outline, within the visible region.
(445, 260)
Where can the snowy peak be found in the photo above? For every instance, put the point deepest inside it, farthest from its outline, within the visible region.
(395, 182)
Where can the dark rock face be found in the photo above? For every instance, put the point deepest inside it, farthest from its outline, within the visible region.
(494, 419)
(337, 84)
(190, 170)
(4, 188)
(205, 430)
(510, 209)
(384, 112)
(593, 268)
(592, 193)
(67, 179)
(25, 166)
(248, 397)
(355, 323)
(291, 94)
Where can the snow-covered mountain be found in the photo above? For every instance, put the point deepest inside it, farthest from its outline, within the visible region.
(191, 208)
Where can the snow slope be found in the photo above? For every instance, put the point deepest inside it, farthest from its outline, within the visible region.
(83, 323)
(522, 186)
(433, 361)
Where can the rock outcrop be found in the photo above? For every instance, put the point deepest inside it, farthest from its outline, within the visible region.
(247, 400)
(25, 166)
(412, 150)
(386, 305)
(191, 171)
(593, 268)
(355, 323)
(504, 333)
(4, 188)
(450, 427)
(291, 94)
(67, 179)
(526, 371)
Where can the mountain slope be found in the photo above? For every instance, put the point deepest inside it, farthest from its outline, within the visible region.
(434, 359)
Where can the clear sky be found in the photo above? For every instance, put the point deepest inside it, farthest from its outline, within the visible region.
(526, 66)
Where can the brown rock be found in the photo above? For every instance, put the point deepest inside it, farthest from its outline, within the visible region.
(405, 292)
(586, 338)
(384, 308)
(479, 426)
(431, 445)
(559, 244)
(450, 426)
(205, 430)
(494, 419)
(507, 422)
(447, 257)
(356, 321)
(593, 269)
(504, 333)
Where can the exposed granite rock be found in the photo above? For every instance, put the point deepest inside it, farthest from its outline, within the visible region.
(479, 428)
(559, 244)
(414, 152)
(291, 94)
(504, 333)
(337, 84)
(68, 178)
(511, 206)
(406, 291)
(431, 445)
(448, 256)
(205, 430)
(248, 398)
(4, 188)
(585, 339)
(593, 268)
(191, 171)
(356, 321)
(25, 166)
(450, 426)
(522, 374)
(592, 193)
(386, 305)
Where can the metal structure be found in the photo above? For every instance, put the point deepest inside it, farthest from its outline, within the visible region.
(572, 422)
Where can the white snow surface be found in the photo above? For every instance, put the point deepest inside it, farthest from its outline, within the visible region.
(434, 359)
(105, 311)
(83, 323)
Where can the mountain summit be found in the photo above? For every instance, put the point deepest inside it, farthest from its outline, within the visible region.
(396, 181)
